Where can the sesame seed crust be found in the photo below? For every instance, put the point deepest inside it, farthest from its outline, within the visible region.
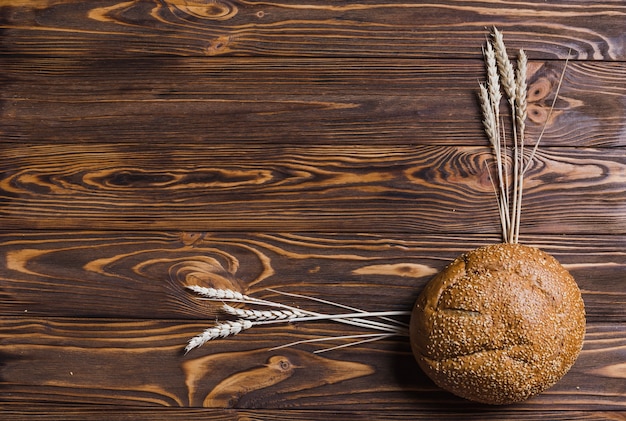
(499, 324)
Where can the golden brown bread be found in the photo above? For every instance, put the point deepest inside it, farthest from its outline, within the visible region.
(499, 324)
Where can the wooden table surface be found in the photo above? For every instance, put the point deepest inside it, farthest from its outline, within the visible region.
(327, 148)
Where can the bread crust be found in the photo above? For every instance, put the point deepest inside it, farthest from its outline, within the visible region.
(498, 325)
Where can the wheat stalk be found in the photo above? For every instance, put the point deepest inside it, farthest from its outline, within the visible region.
(490, 123)
(332, 303)
(521, 93)
(282, 313)
(510, 86)
(513, 82)
(505, 67)
(369, 337)
(520, 122)
(549, 116)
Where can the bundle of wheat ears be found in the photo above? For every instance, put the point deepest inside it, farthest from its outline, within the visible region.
(500, 323)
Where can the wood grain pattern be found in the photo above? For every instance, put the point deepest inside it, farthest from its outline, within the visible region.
(106, 274)
(294, 28)
(295, 101)
(140, 363)
(333, 149)
(422, 189)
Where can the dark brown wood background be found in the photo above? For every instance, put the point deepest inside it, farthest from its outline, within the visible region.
(331, 148)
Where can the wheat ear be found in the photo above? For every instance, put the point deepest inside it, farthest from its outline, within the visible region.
(221, 330)
(261, 315)
(520, 122)
(218, 294)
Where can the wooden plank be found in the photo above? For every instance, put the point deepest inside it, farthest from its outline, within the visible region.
(295, 101)
(18, 412)
(374, 28)
(222, 187)
(140, 363)
(144, 274)
(328, 149)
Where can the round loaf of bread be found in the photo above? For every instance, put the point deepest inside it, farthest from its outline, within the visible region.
(499, 324)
